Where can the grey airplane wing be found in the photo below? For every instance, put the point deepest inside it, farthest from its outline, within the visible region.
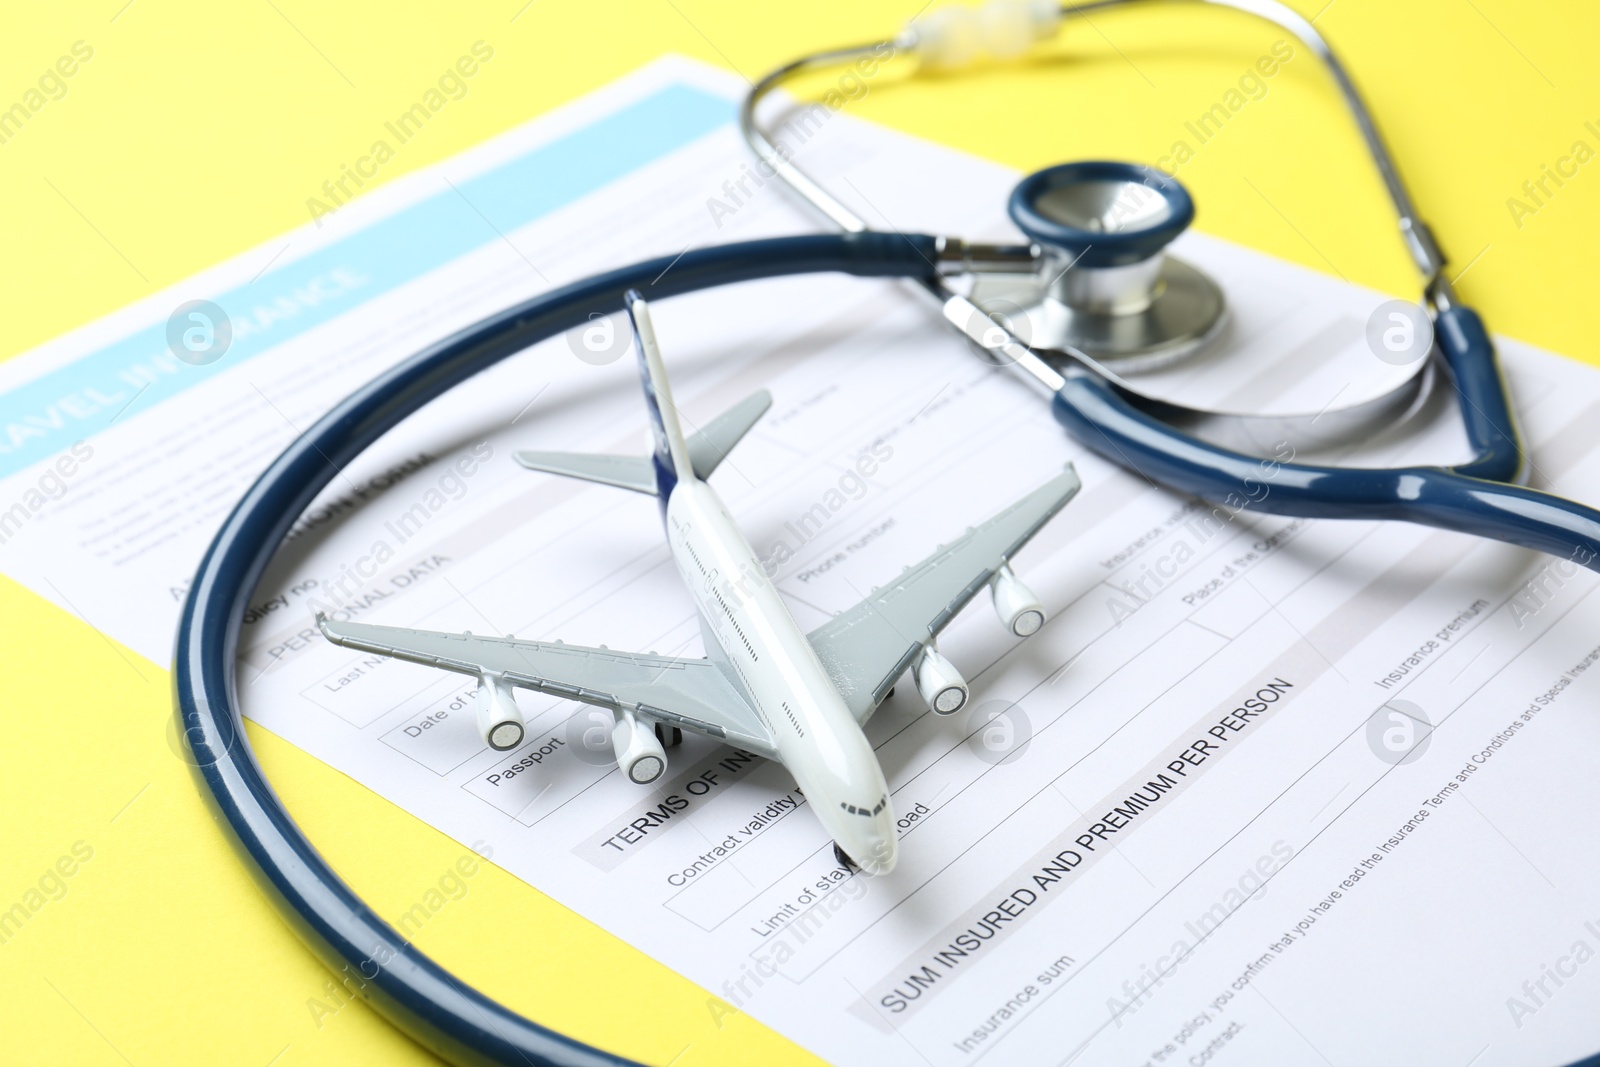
(691, 693)
(867, 648)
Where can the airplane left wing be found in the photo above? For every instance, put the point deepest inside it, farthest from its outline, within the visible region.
(691, 693)
(867, 648)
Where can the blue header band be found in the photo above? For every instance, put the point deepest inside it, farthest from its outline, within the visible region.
(44, 416)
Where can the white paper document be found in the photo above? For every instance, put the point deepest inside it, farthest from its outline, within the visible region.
(1262, 791)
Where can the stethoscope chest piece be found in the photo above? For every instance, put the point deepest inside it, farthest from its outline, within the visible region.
(1107, 287)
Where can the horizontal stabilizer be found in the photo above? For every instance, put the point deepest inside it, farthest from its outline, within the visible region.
(624, 472)
(711, 445)
(707, 449)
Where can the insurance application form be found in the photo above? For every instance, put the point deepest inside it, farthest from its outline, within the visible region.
(1262, 791)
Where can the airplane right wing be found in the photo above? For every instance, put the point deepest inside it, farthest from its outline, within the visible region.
(867, 648)
(690, 693)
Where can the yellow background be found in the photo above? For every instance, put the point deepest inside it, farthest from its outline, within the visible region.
(198, 130)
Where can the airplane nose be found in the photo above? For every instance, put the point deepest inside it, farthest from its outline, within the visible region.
(881, 866)
(883, 852)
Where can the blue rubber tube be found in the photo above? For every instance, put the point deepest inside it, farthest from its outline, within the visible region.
(426, 1001)
(1478, 497)
(423, 999)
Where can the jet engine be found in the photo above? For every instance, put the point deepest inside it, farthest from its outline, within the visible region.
(639, 753)
(499, 720)
(1019, 610)
(940, 684)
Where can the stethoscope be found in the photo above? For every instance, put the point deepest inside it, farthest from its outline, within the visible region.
(1105, 302)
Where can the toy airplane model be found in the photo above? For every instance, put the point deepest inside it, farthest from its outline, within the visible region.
(765, 686)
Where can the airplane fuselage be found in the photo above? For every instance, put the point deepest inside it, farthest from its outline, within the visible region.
(817, 737)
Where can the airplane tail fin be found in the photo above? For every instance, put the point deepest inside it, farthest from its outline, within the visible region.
(675, 457)
(671, 457)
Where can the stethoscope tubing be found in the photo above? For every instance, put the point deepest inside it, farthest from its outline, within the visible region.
(423, 999)
(419, 996)
(1479, 497)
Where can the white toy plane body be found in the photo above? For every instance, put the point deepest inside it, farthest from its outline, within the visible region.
(765, 686)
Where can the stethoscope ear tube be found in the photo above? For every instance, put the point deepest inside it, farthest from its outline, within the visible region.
(1485, 402)
(416, 994)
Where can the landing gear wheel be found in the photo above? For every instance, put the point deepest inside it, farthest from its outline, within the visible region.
(669, 736)
(844, 860)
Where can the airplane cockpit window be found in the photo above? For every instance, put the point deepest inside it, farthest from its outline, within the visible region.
(882, 803)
